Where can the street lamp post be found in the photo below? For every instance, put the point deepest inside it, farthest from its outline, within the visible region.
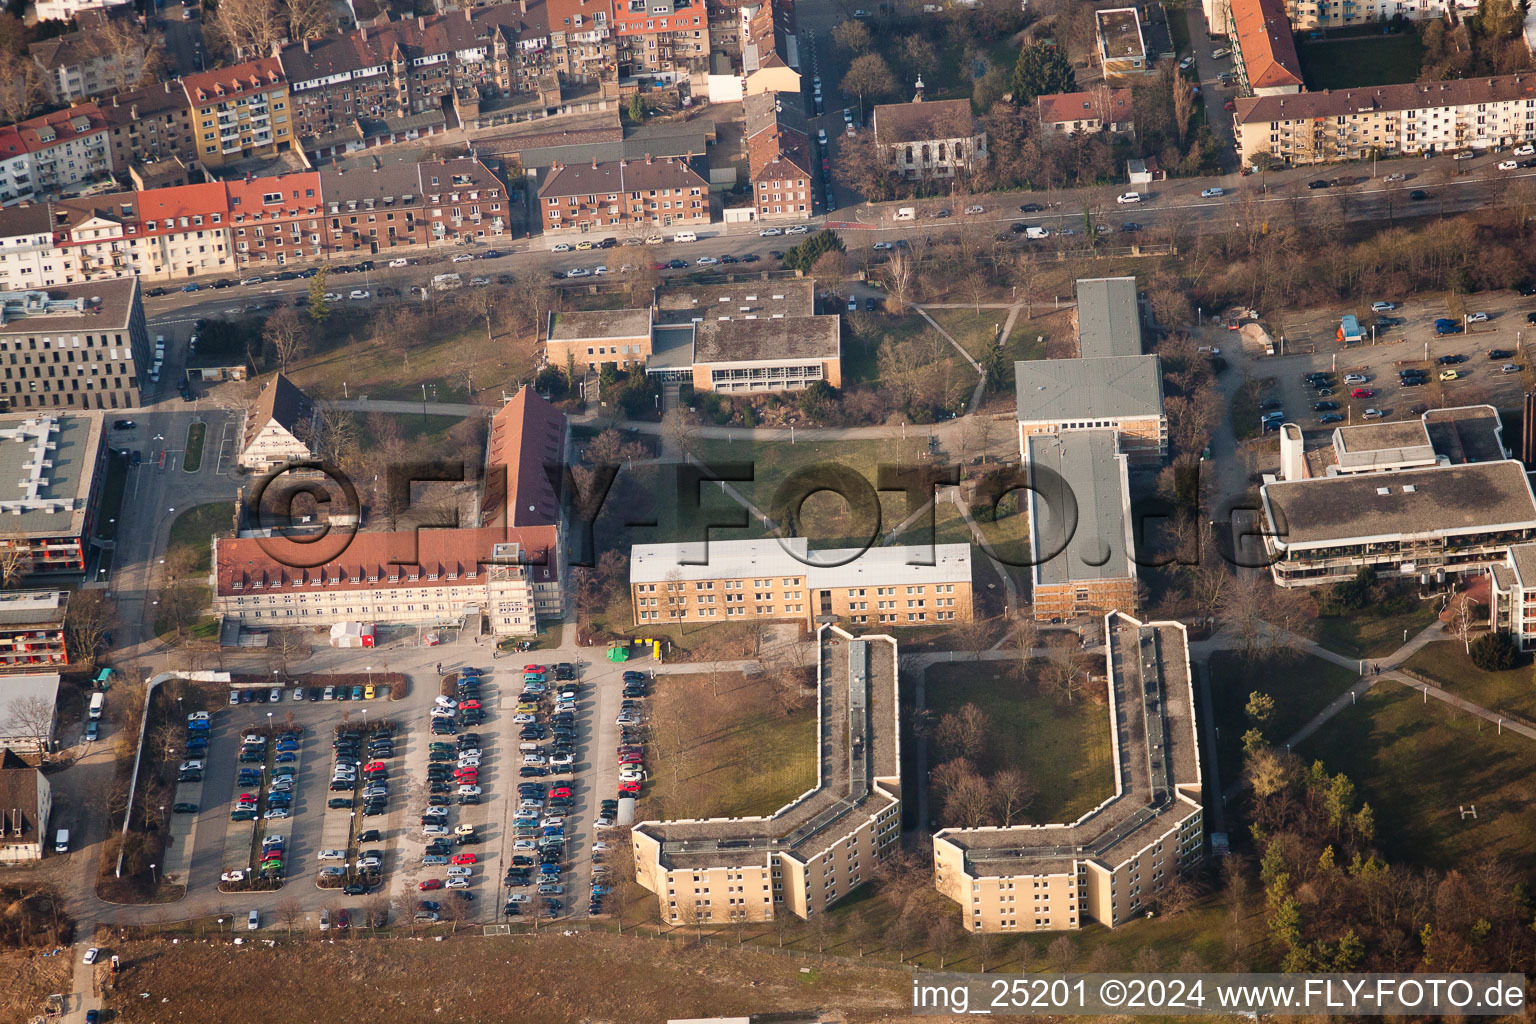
(152, 877)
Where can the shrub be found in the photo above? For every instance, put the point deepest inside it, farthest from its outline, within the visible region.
(398, 689)
(1495, 652)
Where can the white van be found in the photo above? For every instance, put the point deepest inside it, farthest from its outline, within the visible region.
(906, 213)
(61, 841)
(685, 236)
(1037, 232)
(528, 748)
(98, 701)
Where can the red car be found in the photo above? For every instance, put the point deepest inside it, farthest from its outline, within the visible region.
(427, 885)
(630, 758)
(343, 921)
(459, 773)
(560, 791)
(1229, 105)
(1362, 393)
(373, 767)
(535, 668)
(465, 705)
(630, 788)
(464, 858)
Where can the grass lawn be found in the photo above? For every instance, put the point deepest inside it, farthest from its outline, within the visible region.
(1064, 749)
(1301, 688)
(1364, 635)
(865, 333)
(197, 433)
(1418, 764)
(722, 748)
(1447, 665)
(414, 427)
(1244, 412)
(826, 517)
(193, 530)
(1360, 60)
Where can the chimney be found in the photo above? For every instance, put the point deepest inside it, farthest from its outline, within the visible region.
(362, 32)
(468, 18)
(306, 44)
(421, 22)
(522, 6)
(1528, 435)
(648, 158)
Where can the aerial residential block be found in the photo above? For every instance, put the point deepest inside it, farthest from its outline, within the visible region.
(1108, 865)
(815, 850)
(1081, 543)
(1122, 393)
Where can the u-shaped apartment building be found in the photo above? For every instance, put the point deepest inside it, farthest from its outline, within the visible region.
(1107, 865)
(819, 847)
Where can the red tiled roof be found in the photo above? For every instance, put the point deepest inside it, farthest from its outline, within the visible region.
(1082, 106)
(298, 194)
(1264, 36)
(252, 76)
(527, 440)
(62, 124)
(165, 206)
(389, 559)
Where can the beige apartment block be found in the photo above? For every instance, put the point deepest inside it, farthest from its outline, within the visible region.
(817, 849)
(1120, 393)
(755, 580)
(589, 338)
(1109, 865)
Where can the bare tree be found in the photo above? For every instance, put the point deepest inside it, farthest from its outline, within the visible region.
(249, 26)
(130, 54)
(1064, 667)
(33, 716)
(1062, 954)
(333, 436)
(289, 911)
(20, 85)
(286, 646)
(15, 561)
(1012, 792)
(86, 624)
(943, 932)
(1464, 623)
(309, 19)
(288, 334)
(900, 275)
(962, 733)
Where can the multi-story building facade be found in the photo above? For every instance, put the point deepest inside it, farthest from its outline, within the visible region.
(1263, 48)
(277, 220)
(66, 10)
(32, 634)
(1110, 864)
(770, 47)
(779, 156)
(279, 427)
(932, 139)
(46, 155)
(755, 580)
(26, 803)
(52, 469)
(1389, 120)
(664, 40)
(240, 112)
(1081, 545)
(623, 195)
(587, 339)
(1120, 393)
(149, 124)
(1101, 110)
(1512, 599)
(817, 849)
(78, 347)
(105, 55)
(28, 256)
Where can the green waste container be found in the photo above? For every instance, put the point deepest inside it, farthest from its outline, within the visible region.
(618, 652)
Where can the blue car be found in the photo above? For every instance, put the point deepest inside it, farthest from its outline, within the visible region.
(601, 890)
(190, 287)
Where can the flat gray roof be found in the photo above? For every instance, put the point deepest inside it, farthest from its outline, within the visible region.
(1157, 773)
(23, 608)
(1080, 509)
(1372, 445)
(735, 559)
(772, 340)
(1108, 322)
(738, 300)
(1466, 433)
(1524, 558)
(671, 347)
(1109, 388)
(47, 467)
(1440, 500)
(599, 324)
(114, 311)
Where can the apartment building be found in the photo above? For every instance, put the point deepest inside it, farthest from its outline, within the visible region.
(779, 156)
(279, 427)
(184, 232)
(1109, 865)
(28, 257)
(52, 469)
(1307, 15)
(101, 57)
(67, 10)
(1101, 110)
(623, 195)
(1081, 544)
(149, 124)
(44, 156)
(929, 139)
(77, 347)
(1392, 120)
(587, 339)
(754, 580)
(525, 456)
(240, 112)
(770, 48)
(1263, 48)
(32, 636)
(815, 850)
(1512, 599)
(1120, 393)
(663, 40)
(276, 220)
